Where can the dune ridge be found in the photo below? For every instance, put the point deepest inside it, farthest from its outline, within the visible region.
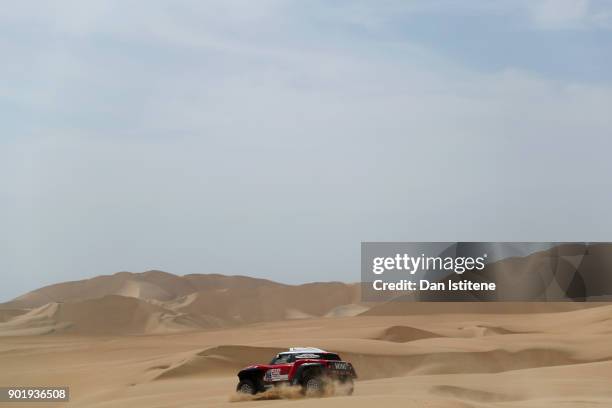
(158, 302)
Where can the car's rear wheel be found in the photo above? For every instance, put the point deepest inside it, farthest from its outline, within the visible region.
(246, 387)
(346, 386)
(313, 385)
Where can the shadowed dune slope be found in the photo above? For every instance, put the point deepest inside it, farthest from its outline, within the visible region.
(7, 314)
(266, 303)
(403, 334)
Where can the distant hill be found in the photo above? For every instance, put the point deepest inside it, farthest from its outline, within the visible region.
(157, 301)
(150, 285)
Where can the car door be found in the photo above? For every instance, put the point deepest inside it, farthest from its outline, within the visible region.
(279, 369)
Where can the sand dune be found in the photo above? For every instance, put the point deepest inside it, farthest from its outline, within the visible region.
(38, 321)
(111, 314)
(352, 309)
(239, 305)
(403, 334)
(221, 360)
(7, 314)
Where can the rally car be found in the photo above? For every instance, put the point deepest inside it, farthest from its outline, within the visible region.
(312, 369)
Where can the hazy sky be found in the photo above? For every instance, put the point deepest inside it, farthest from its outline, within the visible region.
(269, 138)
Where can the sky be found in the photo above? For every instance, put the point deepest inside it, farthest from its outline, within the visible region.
(270, 138)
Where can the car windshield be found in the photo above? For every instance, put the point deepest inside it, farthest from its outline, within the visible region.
(282, 359)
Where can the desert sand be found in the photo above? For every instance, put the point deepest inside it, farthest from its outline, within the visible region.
(138, 340)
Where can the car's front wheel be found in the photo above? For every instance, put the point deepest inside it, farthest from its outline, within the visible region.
(246, 387)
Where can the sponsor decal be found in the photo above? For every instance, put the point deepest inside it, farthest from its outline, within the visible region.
(274, 374)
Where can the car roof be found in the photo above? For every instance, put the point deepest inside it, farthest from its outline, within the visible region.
(300, 350)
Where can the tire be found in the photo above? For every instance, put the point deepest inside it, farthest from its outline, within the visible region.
(346, 386)
(313, 385)
(246, 386)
